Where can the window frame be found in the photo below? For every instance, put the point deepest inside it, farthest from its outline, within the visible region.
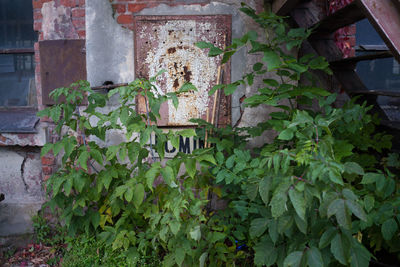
(8, 113)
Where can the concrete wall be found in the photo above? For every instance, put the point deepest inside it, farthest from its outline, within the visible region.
(21, 183)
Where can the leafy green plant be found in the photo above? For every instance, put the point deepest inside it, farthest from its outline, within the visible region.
(322, 190)
(85, 250)
(320, 194)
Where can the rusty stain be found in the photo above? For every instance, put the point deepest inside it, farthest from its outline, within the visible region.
(176, 84)
(173, 48)
(187, 74)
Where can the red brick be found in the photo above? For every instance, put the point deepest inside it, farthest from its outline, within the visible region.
(78, 12)
(79, 23)
(82, 34)
(119, 8)
(352, 30)
(136, 7)
(125, 19)
(37, 3)
(68, 3)
(37, 26)
(81, 3)
(37, 14)
(47, 170)
(46, 177)
(352, 40)
(48, 160)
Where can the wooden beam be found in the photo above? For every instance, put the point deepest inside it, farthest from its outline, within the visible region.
(341, 18)
(354, 60)
(283, 7)
(385, 17)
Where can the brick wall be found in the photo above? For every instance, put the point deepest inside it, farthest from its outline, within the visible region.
(55, 19)
(345, 38)
(124, 9)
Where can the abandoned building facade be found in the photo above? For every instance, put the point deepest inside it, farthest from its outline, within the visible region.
(46, 44)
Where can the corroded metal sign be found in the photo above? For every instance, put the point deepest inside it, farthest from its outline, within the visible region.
(168, 42)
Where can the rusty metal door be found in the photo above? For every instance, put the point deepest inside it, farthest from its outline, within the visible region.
(168, 42)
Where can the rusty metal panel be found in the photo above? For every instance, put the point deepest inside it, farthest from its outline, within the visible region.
(168, 42)
(384, 15)
(62, 62)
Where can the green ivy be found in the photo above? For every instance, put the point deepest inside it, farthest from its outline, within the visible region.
(324, 192)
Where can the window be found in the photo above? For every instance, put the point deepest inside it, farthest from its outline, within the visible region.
(17, 66)
(381, 74)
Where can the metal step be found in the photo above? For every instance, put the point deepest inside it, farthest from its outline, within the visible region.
(343, 17)
(352, 61)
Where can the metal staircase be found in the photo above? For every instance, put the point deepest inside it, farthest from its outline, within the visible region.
(384, 16)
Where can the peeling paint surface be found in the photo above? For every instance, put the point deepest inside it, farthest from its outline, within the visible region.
(57, 22)
(168, 42)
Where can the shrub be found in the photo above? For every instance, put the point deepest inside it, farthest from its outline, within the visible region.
(320, 194)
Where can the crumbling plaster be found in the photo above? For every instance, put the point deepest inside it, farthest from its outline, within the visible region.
(21, 183)
(57, 22)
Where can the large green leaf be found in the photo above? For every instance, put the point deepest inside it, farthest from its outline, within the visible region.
(314, 257)
(369, 202)
(138, 195)
(179, 256)
(293, 259)
(370, 178)
(264, 188)
(353, 167)
(265, 253)
(202, 259)
(360, 256)
(83, 159)
(339, 249)
(258, 227)
(190, 165)
(389, 228)
(327, 237)
(298, 202)
(151, 174)
(356, 209)
(278, 204)
(195, 233)
(174, 226)
(169, 176)
(338, 208)
(272, 59)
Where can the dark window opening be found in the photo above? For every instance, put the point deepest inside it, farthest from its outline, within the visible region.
(381, 75)
(17, 64)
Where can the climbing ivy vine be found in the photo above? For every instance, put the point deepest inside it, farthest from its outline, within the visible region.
(324, 192)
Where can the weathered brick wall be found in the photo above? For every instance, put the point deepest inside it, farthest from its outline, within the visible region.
(124, 9)
(53, 20)
(345, 38)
